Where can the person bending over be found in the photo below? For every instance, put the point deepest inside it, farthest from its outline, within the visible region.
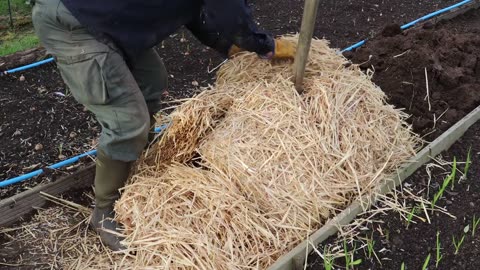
(104, 52)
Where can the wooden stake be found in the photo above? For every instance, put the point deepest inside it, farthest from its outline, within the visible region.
(304, 41)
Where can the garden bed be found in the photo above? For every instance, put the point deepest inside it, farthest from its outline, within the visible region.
(395, 239)
(182, 86)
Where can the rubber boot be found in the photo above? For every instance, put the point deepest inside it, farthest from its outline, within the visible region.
(110, 176)
(103, 223)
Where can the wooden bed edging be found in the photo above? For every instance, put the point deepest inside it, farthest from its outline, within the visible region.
(14, 208)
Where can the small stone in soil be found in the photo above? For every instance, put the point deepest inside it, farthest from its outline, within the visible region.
(38, 147)
(73, 134)
(41, 89)
(22, 78)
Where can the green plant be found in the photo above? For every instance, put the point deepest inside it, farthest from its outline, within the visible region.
(475, 223)
(427, 261)
(19, 7)
(328, 262)
(349, 261)
(387, 235)
(445, 184)
(454, 171)
(370, 247)
(458, 244)
(467, 163)
(370, 251)
(439, 255)
(328, 259)
(402, 267)
(410, 215)
(20, 43)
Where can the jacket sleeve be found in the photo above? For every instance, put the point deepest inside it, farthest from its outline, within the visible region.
(222, 23)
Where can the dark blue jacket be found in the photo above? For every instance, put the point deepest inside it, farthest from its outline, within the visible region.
(136, 25)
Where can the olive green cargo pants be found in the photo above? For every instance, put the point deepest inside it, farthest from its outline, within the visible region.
(122, 93)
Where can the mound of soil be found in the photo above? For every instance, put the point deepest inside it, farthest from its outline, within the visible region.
(446, 55)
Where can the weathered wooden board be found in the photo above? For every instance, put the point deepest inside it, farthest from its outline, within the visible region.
(14, 208)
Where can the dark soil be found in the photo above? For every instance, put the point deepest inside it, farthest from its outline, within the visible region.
(412, 246)
(449, 53)
(344, 22)
(39, 121)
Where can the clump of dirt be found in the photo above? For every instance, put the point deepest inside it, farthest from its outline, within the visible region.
(391, 30)
(432, 71)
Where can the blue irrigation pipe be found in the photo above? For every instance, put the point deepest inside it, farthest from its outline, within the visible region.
(36, 64)
(412, 23)
(58, 165)
(354, 46)
(433, 14)
(27, 176)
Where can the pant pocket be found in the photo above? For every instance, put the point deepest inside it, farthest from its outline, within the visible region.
(85, 80)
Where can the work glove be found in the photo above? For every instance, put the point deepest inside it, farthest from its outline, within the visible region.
(284, 49)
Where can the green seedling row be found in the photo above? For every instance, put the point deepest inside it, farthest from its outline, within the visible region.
(439, 256)
(446, 182)
(475, 222)
(467, 163)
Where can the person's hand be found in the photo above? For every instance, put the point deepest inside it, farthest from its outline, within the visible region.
(284, 49)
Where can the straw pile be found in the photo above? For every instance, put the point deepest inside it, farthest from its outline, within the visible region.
(249, 168)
